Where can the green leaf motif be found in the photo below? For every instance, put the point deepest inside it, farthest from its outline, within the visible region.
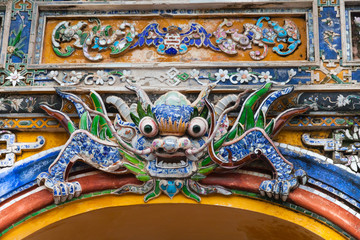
(269, 128)
(135, 119)
(249, 119)
(95, 126)
(204, 113)
(189, 194)
(154, 193)
(143, 178)
(140, 111)
(134, 169)
(207, 169)
(132, 159)
(261, 120)
(84, 121)
(102, 134)
(71, 127)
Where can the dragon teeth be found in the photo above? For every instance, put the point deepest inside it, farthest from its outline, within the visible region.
(171, 165)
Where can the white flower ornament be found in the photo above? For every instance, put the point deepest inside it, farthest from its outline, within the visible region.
(14, 78)
(222, 75)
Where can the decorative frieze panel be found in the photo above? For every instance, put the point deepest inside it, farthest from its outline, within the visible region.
(87, 38)
(329, 101)
(170, 77)
(26, 103)
(92, 36)
(329, 32)
(355, 35)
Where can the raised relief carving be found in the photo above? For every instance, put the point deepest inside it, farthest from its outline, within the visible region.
(172, 143)
(282, 38)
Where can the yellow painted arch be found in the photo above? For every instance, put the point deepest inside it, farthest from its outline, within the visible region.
(231, 213)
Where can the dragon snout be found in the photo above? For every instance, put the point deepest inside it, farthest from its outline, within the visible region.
(171, 144)
(170, 152)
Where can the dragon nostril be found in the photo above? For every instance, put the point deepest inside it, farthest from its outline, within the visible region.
(184, 143)
(181, 150)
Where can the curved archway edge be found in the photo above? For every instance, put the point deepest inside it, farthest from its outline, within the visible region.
(246, 208)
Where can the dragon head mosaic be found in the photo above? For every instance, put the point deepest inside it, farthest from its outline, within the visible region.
(172, 144)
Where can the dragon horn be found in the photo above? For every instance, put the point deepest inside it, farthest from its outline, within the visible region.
(224, 102)
(121, 106)
(141, 94)
(214, 127)
(199, 102)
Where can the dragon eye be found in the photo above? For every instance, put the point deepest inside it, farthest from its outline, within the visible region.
(197, 127)
(148, 127)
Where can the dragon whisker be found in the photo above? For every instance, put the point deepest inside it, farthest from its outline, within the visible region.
(213, 129)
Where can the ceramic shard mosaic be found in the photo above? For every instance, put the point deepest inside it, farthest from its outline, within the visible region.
(172, 143)
(13, 147)
(241, 39)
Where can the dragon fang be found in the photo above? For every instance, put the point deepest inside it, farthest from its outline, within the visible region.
(172, 143)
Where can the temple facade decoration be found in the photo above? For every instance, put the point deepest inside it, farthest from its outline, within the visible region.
(129, 110)
(170, 145)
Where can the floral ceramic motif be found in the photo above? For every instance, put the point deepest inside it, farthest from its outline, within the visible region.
(337, 101)
(173, 40)
(172, 143)
(16, 41)
(14, 79)
(242, 76)
(172, 77)
(100, 77)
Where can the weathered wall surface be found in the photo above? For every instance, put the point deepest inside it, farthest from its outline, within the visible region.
(55, 53)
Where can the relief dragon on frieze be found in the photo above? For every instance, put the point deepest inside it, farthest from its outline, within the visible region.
(174, 40)
(172, 144)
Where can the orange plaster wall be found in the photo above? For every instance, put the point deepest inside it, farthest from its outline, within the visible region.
(52, 139)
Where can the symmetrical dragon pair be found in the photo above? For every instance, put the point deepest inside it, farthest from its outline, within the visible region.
(172, 144)
(173, 40)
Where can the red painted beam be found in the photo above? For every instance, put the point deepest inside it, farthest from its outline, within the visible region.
(300, 197)
(102, 181)
(35, 202)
